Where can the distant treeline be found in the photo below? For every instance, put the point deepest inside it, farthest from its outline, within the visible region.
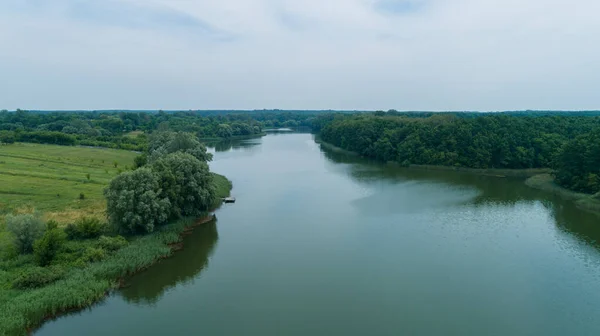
(114, 129)
(569, 143)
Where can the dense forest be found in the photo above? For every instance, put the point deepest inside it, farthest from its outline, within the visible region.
(567, 143)
(124, 129)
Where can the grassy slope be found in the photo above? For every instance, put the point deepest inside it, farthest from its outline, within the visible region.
(50, 178)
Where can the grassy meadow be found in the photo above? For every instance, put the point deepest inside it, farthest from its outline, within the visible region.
(50, 179)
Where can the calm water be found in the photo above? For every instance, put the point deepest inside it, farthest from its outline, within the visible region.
(325, 244)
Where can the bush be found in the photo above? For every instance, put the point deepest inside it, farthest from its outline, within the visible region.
(35, 277)
(93, 254)
(112, 243)
(26, 229)
(86, 228)
(81, 196)
(45, 249)
(140, 161)
(51, 225)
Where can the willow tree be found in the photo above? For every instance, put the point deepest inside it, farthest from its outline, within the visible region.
(134, 202)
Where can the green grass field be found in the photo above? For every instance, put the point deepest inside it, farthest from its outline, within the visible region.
(50, 179)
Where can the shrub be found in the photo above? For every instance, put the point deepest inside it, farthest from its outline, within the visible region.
(93, 254)
(86, 228)
(51, 224)
(140, 161)
(45, 249)
(88, 176)
(7, 248)
(81, 196)
(35, 277)
(26, 229)
(112, 243)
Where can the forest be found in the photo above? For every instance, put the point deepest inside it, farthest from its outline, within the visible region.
(567, 143)
(128, 130)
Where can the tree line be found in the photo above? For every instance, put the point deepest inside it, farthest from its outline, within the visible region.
(569, 144)
(114, 129)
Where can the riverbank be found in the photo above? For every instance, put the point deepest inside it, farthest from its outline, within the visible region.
(493, 172)
(334, 148)
(80, 286)
(237, 137)
(546, 183)
(538, 178)
(489, 171)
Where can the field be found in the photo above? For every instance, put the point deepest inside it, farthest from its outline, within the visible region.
(51, 179)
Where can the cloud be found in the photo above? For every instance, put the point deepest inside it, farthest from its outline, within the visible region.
(354, 54)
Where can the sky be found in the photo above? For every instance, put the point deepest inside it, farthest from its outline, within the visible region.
(436, 55)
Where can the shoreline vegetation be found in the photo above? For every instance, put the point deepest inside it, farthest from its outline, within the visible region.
(537, 178)
(21, 312)
(547, 183)
(144, 205)
(235, 137)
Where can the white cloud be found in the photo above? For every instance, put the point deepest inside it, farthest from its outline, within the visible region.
(347, 54)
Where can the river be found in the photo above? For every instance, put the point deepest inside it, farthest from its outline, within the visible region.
(322, 243)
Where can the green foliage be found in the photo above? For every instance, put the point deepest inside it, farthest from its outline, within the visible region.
(35, 277)
(577, 165)
(134, 204)
(81, 196)
(140, 161)
(25, 229)
(87, 176)
(164, 143)
(93, 254)
(458, 140)
(51, 225)
(222, 189)
(46, 248)
(112, 243)
(186, 182)
(86, 228)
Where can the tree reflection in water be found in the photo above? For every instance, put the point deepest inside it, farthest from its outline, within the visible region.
(184, 267)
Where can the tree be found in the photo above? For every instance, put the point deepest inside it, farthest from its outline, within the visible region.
(164, 143)
(134, 204)
(186, 182)
(25, 229)
(224, 131)
(46, 248)
(577, 166)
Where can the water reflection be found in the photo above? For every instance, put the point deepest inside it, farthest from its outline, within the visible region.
(149, 286)
(469, 189)
(227, 145)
